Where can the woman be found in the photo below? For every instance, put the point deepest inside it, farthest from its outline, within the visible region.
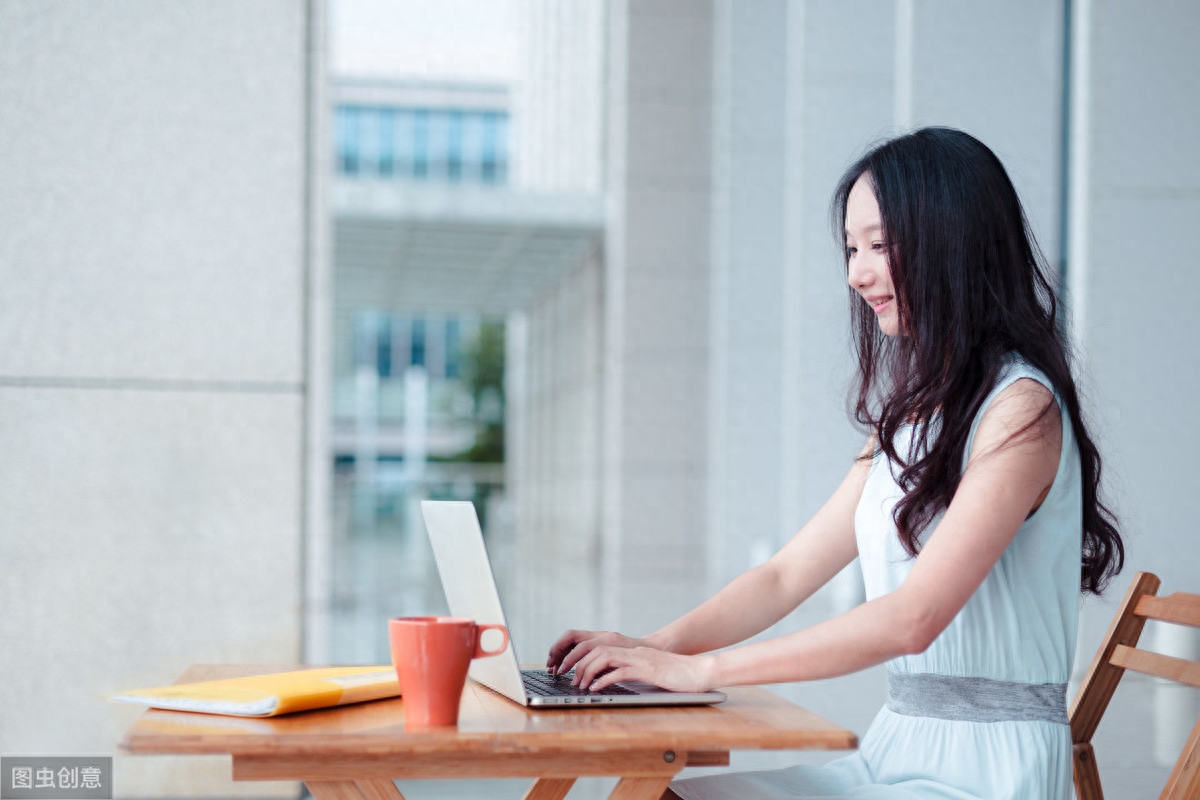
(973, 509)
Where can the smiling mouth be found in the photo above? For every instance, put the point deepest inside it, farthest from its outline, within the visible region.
(880, 303)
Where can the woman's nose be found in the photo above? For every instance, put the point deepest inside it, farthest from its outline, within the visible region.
(856, 274)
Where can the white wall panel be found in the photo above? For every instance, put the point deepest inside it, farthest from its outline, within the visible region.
(153, 190)
(995, 70)
(143, 531)
(156, 376)
(1142, 193)
(656, 398)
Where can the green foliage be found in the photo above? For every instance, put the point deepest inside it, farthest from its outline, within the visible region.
(483, 372)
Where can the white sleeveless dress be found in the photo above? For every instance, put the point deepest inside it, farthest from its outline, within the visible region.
(1018, 628)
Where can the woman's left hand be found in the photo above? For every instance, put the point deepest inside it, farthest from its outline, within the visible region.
(608, 664)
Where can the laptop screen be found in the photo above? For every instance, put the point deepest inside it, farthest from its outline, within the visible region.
(470, 587)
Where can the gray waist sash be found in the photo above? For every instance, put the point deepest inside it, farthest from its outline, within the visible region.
(975, 699)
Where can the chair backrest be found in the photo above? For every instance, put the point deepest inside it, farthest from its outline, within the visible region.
(1119, 652)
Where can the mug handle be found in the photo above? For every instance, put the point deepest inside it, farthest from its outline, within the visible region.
(479, 651)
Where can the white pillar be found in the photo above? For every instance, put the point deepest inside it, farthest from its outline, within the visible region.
(656, 310)
(1139, 185)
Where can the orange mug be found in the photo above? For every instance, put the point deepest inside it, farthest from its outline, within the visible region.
(431, 656)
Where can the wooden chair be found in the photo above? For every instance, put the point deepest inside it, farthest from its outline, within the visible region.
(1118, 652)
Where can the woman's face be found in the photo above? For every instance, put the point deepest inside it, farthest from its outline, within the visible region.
(866, 255)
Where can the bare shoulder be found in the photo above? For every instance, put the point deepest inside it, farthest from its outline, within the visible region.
(1025, 391)
(1024, 414)
(1023, 403)
(868, 449)
(862, 465)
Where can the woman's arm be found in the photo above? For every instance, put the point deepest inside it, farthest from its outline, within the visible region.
(756, 599)
(1007, 476)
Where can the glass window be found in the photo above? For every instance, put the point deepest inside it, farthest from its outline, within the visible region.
(501, 148)
(453, 348)
(420, 159)
(418, 343)
(489, 149)
(472, 145)
(366, 338)
(368, 141)
(438, 139)
(348, 139)
(404, 120)
(454, 146)
(383, 347)
(387, 142)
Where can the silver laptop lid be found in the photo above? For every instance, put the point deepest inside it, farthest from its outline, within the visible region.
(470, 587)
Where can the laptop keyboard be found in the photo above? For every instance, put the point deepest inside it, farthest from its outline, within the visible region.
(541, 683)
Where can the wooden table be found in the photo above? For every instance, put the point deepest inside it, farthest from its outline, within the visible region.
(353, 752)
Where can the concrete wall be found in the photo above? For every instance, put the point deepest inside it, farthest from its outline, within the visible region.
(558, 100)
(1135, 197)
(554, 463)
(656, 320)
(160, 274)
(994, 70)
(836, 105)
(748, 268)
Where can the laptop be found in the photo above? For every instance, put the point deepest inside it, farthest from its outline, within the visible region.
(470, 587)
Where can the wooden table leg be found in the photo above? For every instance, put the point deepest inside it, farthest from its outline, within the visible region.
(641, 788)
(550, 789)
(379, 790)
(334, 790)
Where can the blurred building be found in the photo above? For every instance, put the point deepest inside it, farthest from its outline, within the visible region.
(456, 204)
(208, 247)
(393, 141)
(451, 133)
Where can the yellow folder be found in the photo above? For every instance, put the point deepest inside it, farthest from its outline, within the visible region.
(273, 694)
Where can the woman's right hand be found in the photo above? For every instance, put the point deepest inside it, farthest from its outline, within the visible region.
(574, 645)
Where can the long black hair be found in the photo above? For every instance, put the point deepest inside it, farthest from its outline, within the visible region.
(971, 291)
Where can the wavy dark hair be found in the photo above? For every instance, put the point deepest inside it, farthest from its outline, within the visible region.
(971, 290)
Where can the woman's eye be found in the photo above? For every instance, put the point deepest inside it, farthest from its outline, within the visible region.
(878, 246)
(851, 251)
